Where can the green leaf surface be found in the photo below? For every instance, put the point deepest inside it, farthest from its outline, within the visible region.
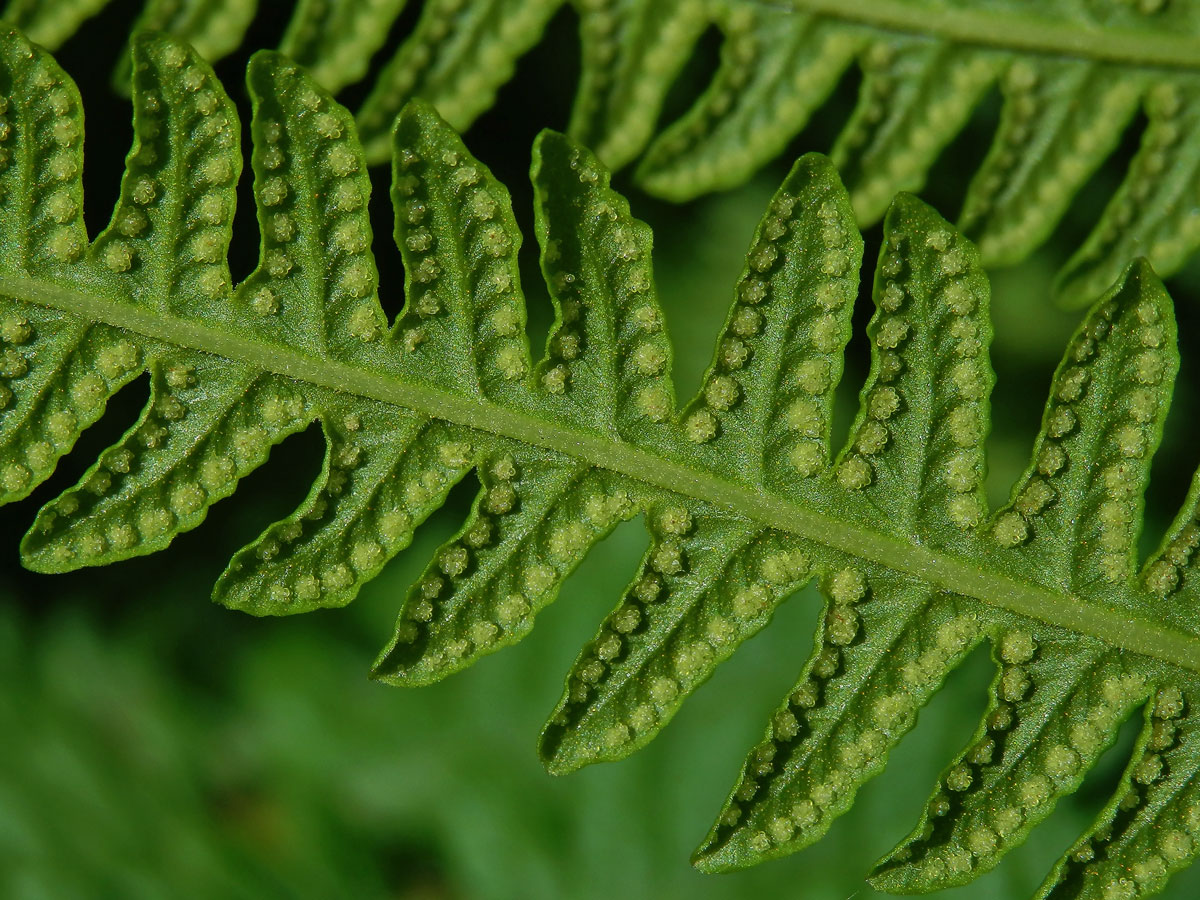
(742, 492)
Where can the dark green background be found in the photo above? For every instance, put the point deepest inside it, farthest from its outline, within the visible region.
(153, 745)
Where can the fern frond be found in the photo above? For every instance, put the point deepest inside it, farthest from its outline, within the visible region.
(744, 498)
(1071, 78)
(631, 52)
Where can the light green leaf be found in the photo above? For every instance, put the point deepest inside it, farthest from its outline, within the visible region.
(335, 39)
(51, 22)
(457, 57)
(631, 52)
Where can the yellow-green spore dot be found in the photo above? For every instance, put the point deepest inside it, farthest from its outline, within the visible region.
(982, 840)
(1061, 762)
(751, 601)
(1168, 702)
(826, 334)
(40, 456)
(1149, 367)
(701, 426)
(342, 161)
(118, 257)
(808, 458)
(805, 813)
(883, 403)
(782, 568)
(454, 560)
(337, 577)
(187, 498)
(892, 297)
(668, 558)
(568, 541)
(15, 477)
(1014, 684)
(892, 332)
(154, 522)
(847, 586)
(555, 379)
(1010, 530)
(965, 425)
(965, 511)
(627, 618)
(675, 520)
(693, 660)
(722, 392)
(872, 438)
(512, 610)
(747, 322)
(1017, 647)
(500, 499)
(539, 579)
(1176, 845)
(841, 625)
(855, 473)
(649, 358)
(814, 376)
(654, 403)
(1034, 791)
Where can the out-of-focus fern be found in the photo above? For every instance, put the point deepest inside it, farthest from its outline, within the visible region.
(459, 53)
(1072, 74)
(740, 492)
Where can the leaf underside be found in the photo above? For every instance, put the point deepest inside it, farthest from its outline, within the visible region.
(743, 495)
(1071, 79)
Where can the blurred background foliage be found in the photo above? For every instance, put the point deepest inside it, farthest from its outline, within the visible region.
(155, 746)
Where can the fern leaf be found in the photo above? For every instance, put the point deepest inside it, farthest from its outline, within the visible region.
(631, 52)
(744, 498)
(1153, 208)
(336, 40)
(1089, 527)
(457, 58)
(213, 27)
(700, 580)
(50, 22)
(915, 97)
(924, 71)
(1046, 148)
(1071, 79)
(776, 68)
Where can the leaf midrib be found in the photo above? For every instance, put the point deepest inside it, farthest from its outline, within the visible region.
(1008, 31)
(1135, 634)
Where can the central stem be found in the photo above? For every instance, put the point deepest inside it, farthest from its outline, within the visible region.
(942, 570)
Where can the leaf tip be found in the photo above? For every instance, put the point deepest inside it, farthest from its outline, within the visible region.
(1078, 286)
(417, 111)
(552, 750)
(555, 153)
(714, 857)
